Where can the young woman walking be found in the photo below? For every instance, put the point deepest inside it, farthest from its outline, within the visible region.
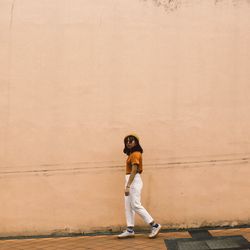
(133, 187)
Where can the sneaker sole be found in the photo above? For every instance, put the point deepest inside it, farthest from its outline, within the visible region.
(152, 237)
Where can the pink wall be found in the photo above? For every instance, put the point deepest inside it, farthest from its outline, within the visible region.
(76, 76)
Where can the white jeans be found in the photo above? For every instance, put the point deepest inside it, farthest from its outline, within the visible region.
(133, 202)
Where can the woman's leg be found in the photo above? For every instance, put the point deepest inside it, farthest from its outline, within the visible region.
(130, 218)
(129, 212)
(135, 200)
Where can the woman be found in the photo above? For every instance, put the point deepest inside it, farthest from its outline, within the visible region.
(133, 187)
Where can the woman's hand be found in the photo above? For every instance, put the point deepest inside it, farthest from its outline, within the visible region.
(127, 191)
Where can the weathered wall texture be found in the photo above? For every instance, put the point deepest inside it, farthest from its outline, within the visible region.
(76, 76)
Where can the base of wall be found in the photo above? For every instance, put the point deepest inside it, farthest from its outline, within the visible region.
(116, 230)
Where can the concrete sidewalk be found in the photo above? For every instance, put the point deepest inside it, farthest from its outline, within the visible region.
(107, 242)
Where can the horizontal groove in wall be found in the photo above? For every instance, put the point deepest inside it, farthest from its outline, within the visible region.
(53, 169)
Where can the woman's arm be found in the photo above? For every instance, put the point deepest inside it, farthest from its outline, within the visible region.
(131, 178)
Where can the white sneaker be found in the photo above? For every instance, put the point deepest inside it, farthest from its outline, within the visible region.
(154, 231)
(126, 234)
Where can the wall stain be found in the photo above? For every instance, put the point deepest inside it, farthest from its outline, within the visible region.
(11, 14)
(8, 81)
(172, 5)
(168, 5)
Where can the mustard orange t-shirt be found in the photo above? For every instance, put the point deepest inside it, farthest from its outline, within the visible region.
(134, 158)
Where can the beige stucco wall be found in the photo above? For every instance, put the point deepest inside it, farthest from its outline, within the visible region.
(76, 76)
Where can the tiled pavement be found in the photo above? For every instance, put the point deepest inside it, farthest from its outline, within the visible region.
(105, 242)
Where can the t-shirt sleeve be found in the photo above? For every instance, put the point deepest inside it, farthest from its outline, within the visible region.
(135, 158)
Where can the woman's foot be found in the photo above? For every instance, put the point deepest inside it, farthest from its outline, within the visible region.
(126, 234)
(154, 231)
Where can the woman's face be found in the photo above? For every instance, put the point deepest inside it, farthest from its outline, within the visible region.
(130, 142)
